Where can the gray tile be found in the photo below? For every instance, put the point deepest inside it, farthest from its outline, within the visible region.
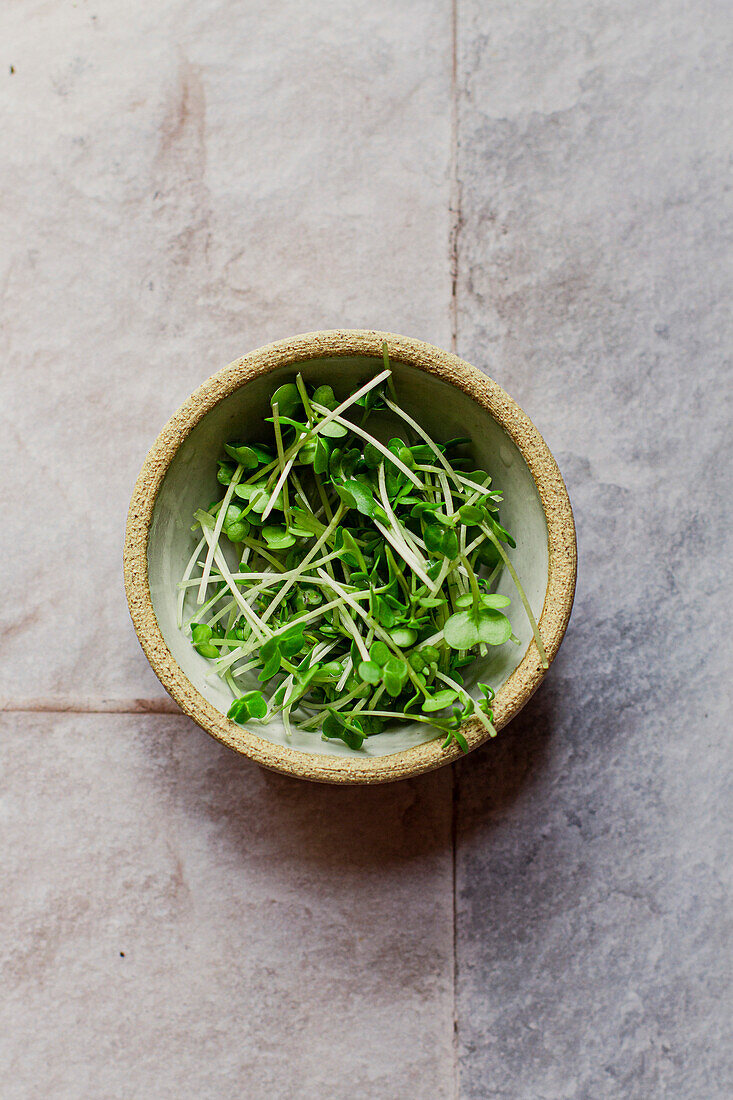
(185, 924)
(183, 182)
(594, 282)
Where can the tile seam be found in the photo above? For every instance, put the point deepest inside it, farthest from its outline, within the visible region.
(78, 705)
(455, 227)
(455, 188)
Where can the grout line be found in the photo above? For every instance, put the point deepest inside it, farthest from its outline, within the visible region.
(454, 847)
(77, 705)
(455, 215)
(455, 187)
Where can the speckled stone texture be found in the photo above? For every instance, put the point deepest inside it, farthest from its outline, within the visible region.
(184, 181)
(184, 924)
(593, 888)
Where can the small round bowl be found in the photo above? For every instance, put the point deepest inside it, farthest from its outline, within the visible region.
(449, 398)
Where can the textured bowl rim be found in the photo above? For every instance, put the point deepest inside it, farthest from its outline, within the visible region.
(562, 552)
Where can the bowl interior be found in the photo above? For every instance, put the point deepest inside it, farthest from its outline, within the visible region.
(444, 412)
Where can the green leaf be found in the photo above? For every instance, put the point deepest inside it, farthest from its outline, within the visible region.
(424, 508)
(494, 599)
(429, 602)
(371, 724)
(332, 430)
(201, 633)
(320, 462)
(350, 461)
(372, 457)
(479, 477)
(501, 534)
(296, 528)
(245, 456)
(349, 547)
(235, 525)
(487, 699)
(291, 641)
(335, 727)
(460, 740)
(323, 395)
(467, 629)
(251, 705)
(277, 538)
(264, 455)
(434, 538)
(423, 454)
(450, 544)
(307, 453)
(488, 556)
(270, 656)
(370, 671)
(287, 398)
(394, 675)
(471, 514)
(399, 448)
(289, 422)
(403, 636)
(329, 669)
(424, 657)
(256, 495)
(486, 600)
(235, 532)
(379, 653)
(440, 700)
(441, 540)
(384, 613)
(356, 495)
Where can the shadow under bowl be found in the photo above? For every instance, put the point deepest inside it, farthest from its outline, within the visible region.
(449, 398)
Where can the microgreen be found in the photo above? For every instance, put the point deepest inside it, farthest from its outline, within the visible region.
(352, 578)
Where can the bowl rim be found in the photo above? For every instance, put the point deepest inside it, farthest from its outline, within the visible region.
(561, 539)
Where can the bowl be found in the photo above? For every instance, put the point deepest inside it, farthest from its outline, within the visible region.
(448, 397)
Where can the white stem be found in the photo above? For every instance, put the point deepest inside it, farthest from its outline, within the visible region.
(348, 665)
(301, 569)
(378, 630)
(532, 621)
(316, 613)
(483, 719)
(403, 552)
(400, 531)
(213, 544)
(183, 585)
(317, 428)
(375, 443)
(256, 626)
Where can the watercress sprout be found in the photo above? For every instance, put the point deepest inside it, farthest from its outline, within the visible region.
(352, 579)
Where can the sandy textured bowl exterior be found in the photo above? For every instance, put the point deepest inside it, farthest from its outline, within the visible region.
(525, 679)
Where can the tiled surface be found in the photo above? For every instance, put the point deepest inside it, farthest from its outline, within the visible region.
(279, 939)
(185, 181)
(595, 282)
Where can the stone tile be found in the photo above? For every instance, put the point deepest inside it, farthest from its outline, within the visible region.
(594, 279)
(185, 924)
(182, 183)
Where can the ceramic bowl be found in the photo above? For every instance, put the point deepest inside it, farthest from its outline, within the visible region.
(449, 398)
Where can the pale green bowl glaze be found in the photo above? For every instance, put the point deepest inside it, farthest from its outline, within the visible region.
(449, 398)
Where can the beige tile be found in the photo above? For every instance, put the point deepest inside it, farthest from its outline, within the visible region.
(183, 182)
(280, 939)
